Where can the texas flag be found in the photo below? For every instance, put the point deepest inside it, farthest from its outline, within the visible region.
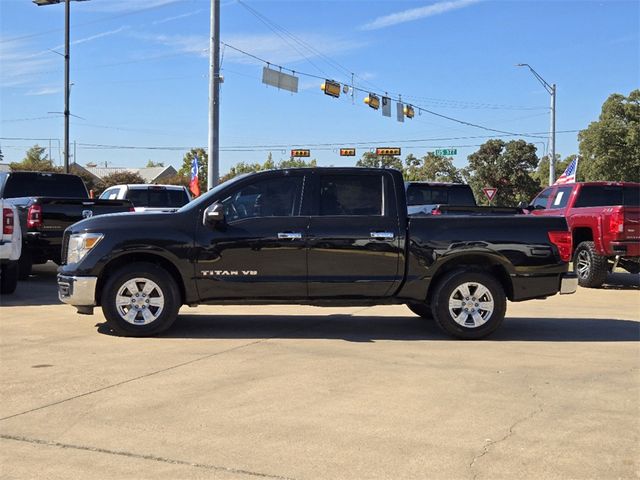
(194, 186)
(569, 175)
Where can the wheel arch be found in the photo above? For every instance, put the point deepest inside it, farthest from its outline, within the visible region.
(136, 257)
(581, 234)
(474, 263)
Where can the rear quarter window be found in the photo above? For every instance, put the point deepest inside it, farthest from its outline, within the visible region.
(599, 196)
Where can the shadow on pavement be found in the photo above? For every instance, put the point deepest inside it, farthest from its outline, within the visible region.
(371, 328)
(40, 289)
(622, 281)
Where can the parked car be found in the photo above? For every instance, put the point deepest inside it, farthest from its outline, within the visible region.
(604, 219)
(146, 198)
(320, 236)
(48, 203)
(10, 247)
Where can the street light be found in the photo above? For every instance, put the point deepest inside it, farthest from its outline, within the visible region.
(551, 89)
(41, 3)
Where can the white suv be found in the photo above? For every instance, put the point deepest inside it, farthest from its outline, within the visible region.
(10, 247)
(148, 198)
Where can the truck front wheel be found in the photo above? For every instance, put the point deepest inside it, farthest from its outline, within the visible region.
(590, 267)
(469, 305)
(140, 300)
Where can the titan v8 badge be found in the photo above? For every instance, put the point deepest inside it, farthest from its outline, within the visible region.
(229, 273)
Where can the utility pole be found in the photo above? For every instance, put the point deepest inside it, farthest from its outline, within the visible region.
(67, 16)
(552, 161)
(551, 89)
(213, 171)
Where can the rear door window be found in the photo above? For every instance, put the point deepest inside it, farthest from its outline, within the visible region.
(632, 196)
(347, 195)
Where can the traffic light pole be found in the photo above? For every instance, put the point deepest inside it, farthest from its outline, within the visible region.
(66, 84)
(213, 172)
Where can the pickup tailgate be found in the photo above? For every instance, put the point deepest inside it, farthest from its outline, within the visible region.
(631, 226)
(58, 213)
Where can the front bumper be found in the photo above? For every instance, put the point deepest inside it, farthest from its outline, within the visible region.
(77, 291)
(568, 283)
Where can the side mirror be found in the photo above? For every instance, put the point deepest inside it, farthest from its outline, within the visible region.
(523, 205)
(214, 214)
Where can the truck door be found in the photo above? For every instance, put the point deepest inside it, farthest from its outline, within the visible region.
(259, 250)
(353, 236)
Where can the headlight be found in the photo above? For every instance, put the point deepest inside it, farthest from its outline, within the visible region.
(80, 244)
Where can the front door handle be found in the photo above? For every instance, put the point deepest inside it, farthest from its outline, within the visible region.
(289, 235)
(383, 235)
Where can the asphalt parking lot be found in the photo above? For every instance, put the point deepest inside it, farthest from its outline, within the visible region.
(291, 392)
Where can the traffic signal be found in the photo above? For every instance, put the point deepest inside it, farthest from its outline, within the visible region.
(301, 153)
(331, 88)
(373, 101)
(408, 111)
(388, 151)
(347, 152)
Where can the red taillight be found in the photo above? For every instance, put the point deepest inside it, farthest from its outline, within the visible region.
(563, 241)
(132, 209)
(616, 222)
(436, 211)
(34, 216)
(7, 221)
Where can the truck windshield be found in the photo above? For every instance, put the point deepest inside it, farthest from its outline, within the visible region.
(34, 184)
(426, 194)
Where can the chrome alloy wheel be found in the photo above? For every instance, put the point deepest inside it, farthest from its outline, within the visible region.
(139, 301)
(471, 305)
(583, 264)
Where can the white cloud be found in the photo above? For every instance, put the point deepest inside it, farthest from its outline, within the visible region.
(270, 47)
(94, 37)
(122, 6)
(43, 91)
(416, 14)
(177, 17)
(19, 66)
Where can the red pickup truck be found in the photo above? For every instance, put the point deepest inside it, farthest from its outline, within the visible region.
(604, 219)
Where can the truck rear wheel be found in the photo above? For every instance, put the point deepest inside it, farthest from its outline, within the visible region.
(590, 267)
(140, 300)
(421, 309)
(469, 305)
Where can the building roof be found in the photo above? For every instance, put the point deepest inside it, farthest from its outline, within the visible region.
(149, 174)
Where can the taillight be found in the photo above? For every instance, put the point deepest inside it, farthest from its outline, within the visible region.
(616, 222)
(34, 216)
(563, 241)
(7, 221)
(436, 211)
(132, 209)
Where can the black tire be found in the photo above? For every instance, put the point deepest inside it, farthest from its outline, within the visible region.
(9, 278)
(479, 323)
(165, 291)
(590, 267)
(421, 309)
(25, 262)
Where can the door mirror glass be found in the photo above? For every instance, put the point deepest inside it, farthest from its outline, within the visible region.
(214, 214)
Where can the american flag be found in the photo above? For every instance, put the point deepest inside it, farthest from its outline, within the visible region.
(569, 175)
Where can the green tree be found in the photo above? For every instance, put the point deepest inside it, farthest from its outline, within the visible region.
(117, 178)
(269, 164)
(507, 167)
(432, 168)
(610, 147)
(203, 164)
(152, 164)
(295, 163)
(371, 160)
(35, 160)
(239, 169)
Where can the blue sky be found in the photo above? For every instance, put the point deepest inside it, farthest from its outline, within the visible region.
(139, 71)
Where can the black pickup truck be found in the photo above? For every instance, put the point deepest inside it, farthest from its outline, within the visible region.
(48, 203)
(321, 236)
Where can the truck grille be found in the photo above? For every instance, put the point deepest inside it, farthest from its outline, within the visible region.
(65, 247)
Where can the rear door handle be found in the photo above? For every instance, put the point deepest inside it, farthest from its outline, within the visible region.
(289, 235)
(383, 235)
